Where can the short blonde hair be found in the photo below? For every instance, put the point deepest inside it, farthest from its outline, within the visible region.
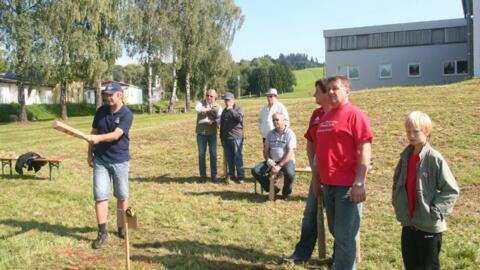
(419, 121)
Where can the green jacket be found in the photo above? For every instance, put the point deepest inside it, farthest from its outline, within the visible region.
(437, 191)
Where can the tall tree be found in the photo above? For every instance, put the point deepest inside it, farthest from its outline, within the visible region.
(18, 31)
(205, 23)
(70, 43)
(3, 61)
(103, 22)
(144, 35)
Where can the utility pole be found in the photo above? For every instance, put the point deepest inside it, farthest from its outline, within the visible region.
(238, 87)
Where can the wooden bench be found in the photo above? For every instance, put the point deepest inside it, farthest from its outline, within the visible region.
(7, 161)
(271, 192)
(52, 163)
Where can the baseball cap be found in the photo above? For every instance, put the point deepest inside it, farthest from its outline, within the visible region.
(229, 95)
(112, 88)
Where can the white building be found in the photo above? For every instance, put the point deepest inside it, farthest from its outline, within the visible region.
(134, 94)
(37, 95)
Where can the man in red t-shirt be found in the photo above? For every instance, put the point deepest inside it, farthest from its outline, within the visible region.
(343, 157)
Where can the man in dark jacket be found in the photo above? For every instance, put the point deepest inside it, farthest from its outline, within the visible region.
(231, 135)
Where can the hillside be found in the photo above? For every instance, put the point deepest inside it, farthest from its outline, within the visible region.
(187, 224)
(305, 82)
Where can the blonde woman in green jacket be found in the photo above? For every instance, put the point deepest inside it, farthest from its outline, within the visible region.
(424, 192)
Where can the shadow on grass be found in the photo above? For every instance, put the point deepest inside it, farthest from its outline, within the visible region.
(23, 177)
(193, 255)
(237, 195)
(60, 230)
(166, 179)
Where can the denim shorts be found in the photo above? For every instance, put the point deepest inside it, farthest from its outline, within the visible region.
(102, 173)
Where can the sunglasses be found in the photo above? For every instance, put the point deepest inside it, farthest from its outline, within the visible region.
(270, 96)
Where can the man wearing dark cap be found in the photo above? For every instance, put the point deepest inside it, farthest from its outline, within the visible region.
(109, 157)
(231, 135)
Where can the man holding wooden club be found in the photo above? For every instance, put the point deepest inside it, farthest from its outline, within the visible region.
(306, 244)
(109, 156)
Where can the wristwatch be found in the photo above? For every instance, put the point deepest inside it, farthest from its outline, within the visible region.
(359, 184)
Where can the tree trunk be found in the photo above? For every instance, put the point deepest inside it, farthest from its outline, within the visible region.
(173, 97)
(187, 92)
(149, 85)
(22, 110)
(98, 94)
(238, 87)
(204, 91)
(63, 100)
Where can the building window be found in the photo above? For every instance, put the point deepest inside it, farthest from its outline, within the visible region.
(350, 71)
(385, 71)
(342, 70)
(342, 43)
(353, 72)
(462, 67)
(414, 70)
(459, 67)
(449, 68)
(456, 34)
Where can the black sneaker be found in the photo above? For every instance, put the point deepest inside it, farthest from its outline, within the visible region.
(240, 181)
(100, 241)
(121, 233)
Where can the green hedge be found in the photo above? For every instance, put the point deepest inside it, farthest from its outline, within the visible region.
(39, 112)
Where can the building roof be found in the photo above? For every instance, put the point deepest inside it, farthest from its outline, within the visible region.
(394, 27)
(9, 77)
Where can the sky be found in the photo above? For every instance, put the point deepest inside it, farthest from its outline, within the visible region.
(272, 27)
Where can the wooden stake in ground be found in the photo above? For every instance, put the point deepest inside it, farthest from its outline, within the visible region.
(322, 248)
(271, 190)
(123, 220)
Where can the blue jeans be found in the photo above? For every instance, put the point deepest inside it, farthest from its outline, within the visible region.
(202, 142)
(288, 170)
(308, 237)
(343, 218)
(233, 153)
(103, 172)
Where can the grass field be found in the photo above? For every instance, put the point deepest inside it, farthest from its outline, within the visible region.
(186, 224)
(305, 82)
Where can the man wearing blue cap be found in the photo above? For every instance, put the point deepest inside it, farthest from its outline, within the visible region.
(109, 157)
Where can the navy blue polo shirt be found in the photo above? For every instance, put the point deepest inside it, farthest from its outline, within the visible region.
(105, 122)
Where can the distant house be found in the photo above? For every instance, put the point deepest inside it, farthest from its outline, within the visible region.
(134, 94)
(9, 92)
(419, 53)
